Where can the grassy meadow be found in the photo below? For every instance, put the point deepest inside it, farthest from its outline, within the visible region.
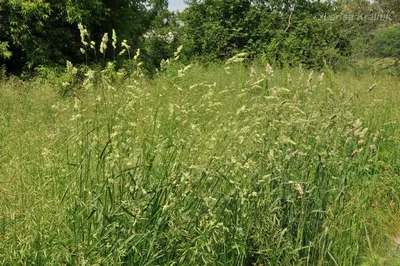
(218, 165)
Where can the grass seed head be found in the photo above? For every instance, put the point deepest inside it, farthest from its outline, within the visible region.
(321, 77)
(299, 189)
(84, 33)
(103, 45)
(269, 71)
(114, 39)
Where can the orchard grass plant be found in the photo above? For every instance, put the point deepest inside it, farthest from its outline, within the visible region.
(235, 164)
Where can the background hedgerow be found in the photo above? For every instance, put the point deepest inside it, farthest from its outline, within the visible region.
(39, 34)
(235, 164)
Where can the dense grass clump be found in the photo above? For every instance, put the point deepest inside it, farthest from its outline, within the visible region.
(221, 165)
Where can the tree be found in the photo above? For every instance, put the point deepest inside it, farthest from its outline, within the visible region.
(44, 32)
(391, 7)
(289, 31)
(217, 28)
(387, 41)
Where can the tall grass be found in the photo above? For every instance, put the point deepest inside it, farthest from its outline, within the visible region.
(203, 166)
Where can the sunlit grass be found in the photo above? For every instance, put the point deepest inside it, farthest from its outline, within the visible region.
(224, 165)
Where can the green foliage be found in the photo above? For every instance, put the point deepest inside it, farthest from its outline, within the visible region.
(161, 41)
(391, 7)
(386, 41)
(217, 28)
(44, 32)
(4, 52)
(38, 30)
(365, 25)
(288, 32)
(39, 33)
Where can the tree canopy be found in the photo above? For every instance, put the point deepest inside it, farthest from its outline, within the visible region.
(43, 32)
(311, 32)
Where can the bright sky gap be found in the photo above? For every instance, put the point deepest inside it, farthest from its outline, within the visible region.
(175, 5)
